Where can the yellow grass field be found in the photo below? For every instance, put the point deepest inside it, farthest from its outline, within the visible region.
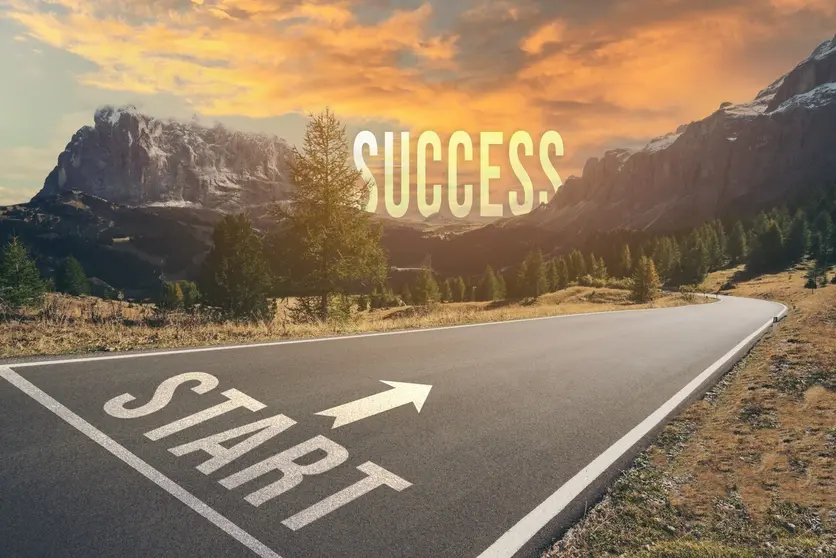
(79, 325)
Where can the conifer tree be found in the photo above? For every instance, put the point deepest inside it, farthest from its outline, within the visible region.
(426, 289)
(534, 277)
(798, 238)
(552, 275)
(488, 285)
(20, 282)
(767, 252)
(562, 274)
(326, 243)
(501, 288)
(646, 282)
(446, 291)
(70, 278)
(459, 290)
(236, 277)
(577, 265)
(695, 259)
(738, 244)
(625, 261)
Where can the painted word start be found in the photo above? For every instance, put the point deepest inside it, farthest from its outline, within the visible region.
(259, 432)
(550, 143)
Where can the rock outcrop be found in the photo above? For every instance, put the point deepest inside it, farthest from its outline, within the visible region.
(133, 159)
(734, 162)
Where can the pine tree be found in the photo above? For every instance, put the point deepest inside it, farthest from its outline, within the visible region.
(446, 291)
(577, 265)
(459, 290)
(426, 289)
(236, 277)
(521, 285)
(20, 282)
(488, 285)
(695, 260)
(599, 267)
(70, 278)
(738, 244)
(552, 275)
(326, 243)
(767, 252)
(535, 275)
(798, 238)
(501, 288)
(646, 282)
(562, 274)
(625, 261)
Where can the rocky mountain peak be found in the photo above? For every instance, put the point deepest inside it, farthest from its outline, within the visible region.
(134, 159)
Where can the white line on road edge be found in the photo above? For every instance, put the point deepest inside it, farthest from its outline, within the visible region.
(138, 464)
(528, 527)
(333, 338)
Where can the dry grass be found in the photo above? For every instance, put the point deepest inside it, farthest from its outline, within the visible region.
(749, 470)
(72, 325)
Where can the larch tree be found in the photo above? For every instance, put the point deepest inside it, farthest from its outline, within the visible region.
(325, 243)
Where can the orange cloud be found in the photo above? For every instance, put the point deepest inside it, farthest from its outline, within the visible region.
(596, 81)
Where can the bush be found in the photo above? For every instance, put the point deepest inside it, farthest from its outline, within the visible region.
(590, 281)
(625, 283)
(688, 292)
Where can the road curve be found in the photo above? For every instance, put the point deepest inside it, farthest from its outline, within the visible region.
(524, 423)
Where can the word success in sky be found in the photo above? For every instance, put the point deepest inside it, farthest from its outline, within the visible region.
(460, 149)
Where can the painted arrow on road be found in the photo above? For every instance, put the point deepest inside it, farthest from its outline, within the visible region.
(402, 393)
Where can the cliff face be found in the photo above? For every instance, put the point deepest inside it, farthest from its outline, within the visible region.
(133, 159)
(738, 159)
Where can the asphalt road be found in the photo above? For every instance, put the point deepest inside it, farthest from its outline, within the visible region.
(525, 421)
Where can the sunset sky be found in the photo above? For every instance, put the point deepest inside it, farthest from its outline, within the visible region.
(603, 73)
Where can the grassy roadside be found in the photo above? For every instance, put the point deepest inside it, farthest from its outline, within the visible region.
(750, 469)
(74, 325)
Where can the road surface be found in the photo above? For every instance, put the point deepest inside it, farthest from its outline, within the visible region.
(300, 449)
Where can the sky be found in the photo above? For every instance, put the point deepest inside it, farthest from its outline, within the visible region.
(603, 73)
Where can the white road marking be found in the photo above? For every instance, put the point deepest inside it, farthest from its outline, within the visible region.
(137, 464)
(376, 476)
(402, 393)
(334, 338)
(525, 529)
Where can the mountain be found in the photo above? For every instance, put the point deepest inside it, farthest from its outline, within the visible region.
(135, 198)
(133, 159)
(739, 159)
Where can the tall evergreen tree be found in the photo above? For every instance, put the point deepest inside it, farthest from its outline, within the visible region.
(501, 287)
(488, 288)
(236, 277)
(406, 295)
(625, 261)
(70, 278)
(20, 282)
(767, 252)
(426, 289)
(798, 238)
(695, 261)
(552, 275)
(535, 275)
(459, 289)
(562, 274)
(577, 265)
(326, 243)
(646, 283)
(738, 244)
(446, 291)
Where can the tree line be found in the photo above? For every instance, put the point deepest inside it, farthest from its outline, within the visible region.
(322, 249)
